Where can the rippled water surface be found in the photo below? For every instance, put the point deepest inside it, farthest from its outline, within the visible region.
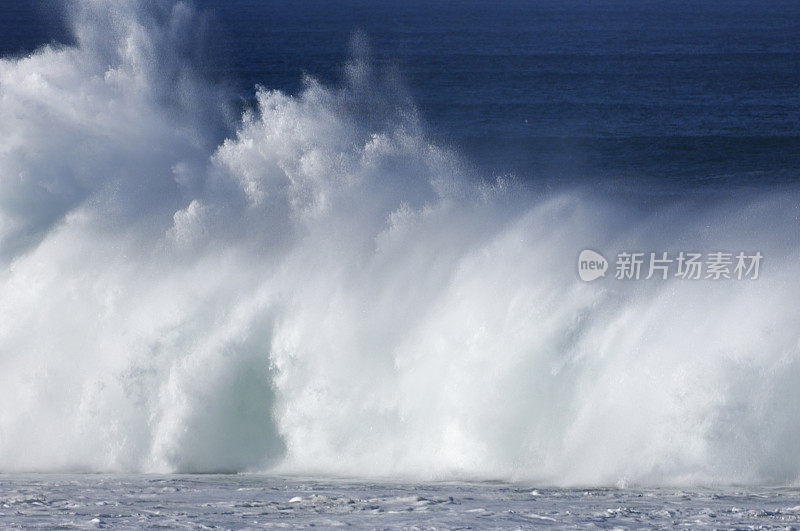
(254, 501)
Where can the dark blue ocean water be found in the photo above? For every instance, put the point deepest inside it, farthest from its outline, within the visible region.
(666, 91)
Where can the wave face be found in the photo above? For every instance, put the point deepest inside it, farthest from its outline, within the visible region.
(321, 290)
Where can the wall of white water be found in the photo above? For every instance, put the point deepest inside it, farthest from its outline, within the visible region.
(326, 292)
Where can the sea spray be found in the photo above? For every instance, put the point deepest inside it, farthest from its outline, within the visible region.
(321, 289)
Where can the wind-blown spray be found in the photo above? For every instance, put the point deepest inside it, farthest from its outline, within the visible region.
(325, 291)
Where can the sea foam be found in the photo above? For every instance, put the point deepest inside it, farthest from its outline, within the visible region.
(319, 288)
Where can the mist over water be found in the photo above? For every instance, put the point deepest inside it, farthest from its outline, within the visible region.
(315, 287)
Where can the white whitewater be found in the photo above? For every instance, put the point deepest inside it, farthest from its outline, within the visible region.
(326, 292)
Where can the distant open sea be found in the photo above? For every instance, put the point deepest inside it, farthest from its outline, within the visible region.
(637, 93)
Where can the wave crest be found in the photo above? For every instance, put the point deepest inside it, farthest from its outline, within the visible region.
(326, 291)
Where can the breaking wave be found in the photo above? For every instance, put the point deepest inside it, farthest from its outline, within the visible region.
(320, 289)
